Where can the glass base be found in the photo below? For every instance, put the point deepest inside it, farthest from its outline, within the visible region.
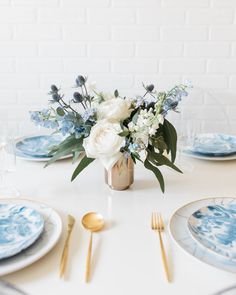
(121, 176)
(8, 192)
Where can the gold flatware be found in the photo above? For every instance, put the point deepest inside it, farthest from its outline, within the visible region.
(93, 222)
(64, 256)
(157, 225)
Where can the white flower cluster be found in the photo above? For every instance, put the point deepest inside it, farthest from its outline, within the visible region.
(104, 143)
(146, 126)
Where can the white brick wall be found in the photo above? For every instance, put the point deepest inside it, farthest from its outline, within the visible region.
(119, 44)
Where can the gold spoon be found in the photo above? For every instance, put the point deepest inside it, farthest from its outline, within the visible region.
(93, 222)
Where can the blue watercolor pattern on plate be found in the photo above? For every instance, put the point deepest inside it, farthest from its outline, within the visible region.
(214, 144)
(20, 226)
(214, 227)
(37, 146)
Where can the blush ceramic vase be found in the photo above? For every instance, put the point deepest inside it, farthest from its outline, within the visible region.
(121, 176)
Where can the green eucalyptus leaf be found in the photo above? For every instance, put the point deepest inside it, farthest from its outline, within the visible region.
(82, 165)
(67, 148)
(157, 173)
(67, 143)
(133, 158)
(136, 156)
(124, 133)
(170, 136)
(76, 155)
(135, 116)
(159, 143)
(162, 160)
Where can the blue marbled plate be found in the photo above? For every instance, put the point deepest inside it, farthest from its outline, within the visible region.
(214, 226)
(37, 146)
(20, 226)
(214, 144)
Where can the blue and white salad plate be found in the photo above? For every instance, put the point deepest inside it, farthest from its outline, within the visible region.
(20, 227)
(214, 145)
(44, 243)
(179, 230)
(37, 148)
(214, 227)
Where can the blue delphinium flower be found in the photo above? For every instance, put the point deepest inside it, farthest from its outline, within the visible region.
(43, 119)
(36, 118)
(66, 127)
(88, 114)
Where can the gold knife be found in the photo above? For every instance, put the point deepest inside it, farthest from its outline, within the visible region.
(64, 256)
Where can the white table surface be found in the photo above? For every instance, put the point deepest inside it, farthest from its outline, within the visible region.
(126, 255)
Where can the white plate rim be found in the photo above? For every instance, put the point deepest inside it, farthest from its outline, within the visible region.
(207, 158)
(216, 257)
(45, 249)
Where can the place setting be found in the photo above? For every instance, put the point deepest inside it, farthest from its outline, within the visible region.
(28, 231)
(212, 147)
(205, 229)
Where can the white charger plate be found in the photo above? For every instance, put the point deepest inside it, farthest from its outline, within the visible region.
(208, 158)
(178, 227)
(47, 240)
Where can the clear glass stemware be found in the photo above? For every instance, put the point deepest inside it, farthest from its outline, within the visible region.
(7, 165)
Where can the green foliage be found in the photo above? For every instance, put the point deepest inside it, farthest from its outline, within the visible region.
(82, 165)
(69, 146)
(124, 133)
(170, 137)
(157, 173)
(159, 159)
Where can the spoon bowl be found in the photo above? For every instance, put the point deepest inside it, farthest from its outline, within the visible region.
(93, 221)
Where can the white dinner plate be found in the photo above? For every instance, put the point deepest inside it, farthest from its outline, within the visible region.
(47, 240)
(180, 233)
(207, 158)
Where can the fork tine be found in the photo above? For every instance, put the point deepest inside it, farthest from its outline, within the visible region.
(153, 221)
(161, 222)
(156, 220)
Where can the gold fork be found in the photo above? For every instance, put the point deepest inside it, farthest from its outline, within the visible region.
(64, 256)
(157, 225)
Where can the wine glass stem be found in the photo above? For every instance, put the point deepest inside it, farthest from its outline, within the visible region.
(2, 179)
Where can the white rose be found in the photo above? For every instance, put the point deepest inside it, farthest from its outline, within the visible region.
(104, 143)
(114, 109)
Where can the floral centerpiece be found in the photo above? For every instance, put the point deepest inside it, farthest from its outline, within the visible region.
(108, 127)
